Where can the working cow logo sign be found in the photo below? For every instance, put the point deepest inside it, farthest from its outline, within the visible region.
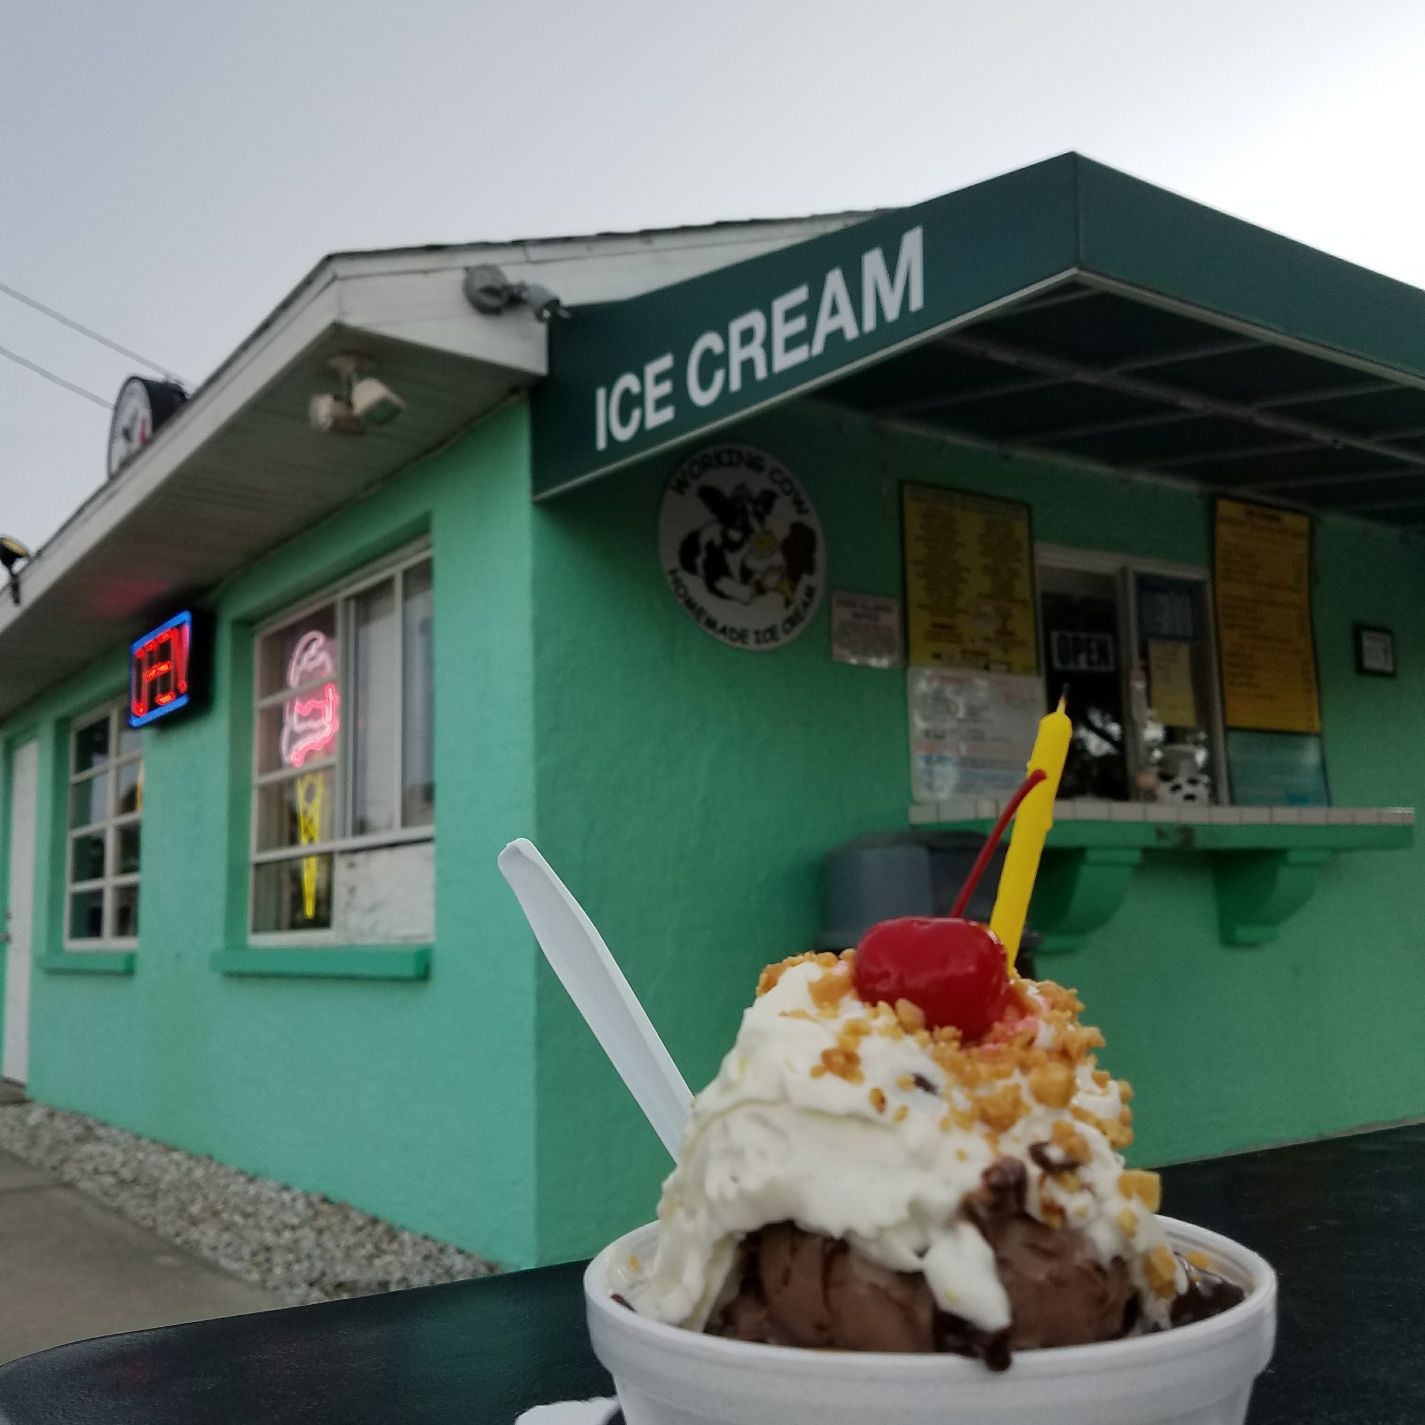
(741, 547)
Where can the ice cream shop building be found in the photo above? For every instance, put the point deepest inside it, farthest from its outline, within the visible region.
(734, 566)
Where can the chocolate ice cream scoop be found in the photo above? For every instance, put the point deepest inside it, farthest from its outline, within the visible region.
(804, 1289)
(1059, 1293)
(799, 1288)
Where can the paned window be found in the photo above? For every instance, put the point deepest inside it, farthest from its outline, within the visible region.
(344, 786)
(104, 814)
(1131, 645)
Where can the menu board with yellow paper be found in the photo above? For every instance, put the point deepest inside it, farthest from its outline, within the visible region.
(1262, 580)
(969, 582)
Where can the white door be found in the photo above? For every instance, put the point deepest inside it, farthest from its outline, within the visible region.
(15, 1060)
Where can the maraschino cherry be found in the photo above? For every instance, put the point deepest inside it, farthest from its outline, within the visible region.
(952, 969)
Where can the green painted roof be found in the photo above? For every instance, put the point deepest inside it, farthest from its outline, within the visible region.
(1065, 309)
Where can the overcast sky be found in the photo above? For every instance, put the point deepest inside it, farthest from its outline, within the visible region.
(171, 170)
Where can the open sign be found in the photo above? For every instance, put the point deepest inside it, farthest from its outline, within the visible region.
(169, 667)
(1078, 651)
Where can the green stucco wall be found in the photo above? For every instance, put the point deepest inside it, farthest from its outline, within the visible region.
(688, 791)
(413, 1100)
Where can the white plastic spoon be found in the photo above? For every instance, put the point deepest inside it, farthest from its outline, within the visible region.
(577, 954)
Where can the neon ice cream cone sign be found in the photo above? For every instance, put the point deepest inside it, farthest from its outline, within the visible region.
(310, 723)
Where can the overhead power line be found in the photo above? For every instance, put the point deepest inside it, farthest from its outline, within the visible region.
(50, 376)
(86, 331)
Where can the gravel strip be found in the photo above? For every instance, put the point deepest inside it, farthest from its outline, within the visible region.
(300, 1246)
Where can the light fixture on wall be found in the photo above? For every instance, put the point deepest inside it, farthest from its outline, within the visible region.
(488, 290)
(362, 400)
(13, 553)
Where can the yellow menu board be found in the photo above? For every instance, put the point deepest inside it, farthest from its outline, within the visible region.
(969, 582)
(1262, 580)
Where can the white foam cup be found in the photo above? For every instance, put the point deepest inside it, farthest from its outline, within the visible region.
(1200, 1374)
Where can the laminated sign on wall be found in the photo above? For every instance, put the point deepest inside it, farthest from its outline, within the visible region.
(969, 581)
(1262, 579)
(969, 732)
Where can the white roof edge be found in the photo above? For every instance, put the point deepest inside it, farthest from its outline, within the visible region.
(311, 310)
(389, 293)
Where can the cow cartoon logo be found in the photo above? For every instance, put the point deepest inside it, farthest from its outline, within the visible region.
(741, 547)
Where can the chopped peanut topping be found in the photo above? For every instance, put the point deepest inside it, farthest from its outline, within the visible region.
(1052, 1083)
(901, 1113)
(1147, 1188)
(1070, 1141)
(1119, 1135)
(878, 1100)
(1068, 1181)
(1051, 1214)
(1066, 1001)
(1002, 1108)
(905, 1082)
(844, 1063)
(1102, 1078)
(769, 977)
(828, 990)
(1125, 1090)
(1161, 1269)
(911, 1016)
(1200, 1260)
(1128, 1222)
(1078, 1043)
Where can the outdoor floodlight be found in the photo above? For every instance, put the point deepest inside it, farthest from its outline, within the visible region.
(12, 553)
(488, 290)
(375, 402)
(358, 404)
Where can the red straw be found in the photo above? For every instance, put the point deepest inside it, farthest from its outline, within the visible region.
(988, 849)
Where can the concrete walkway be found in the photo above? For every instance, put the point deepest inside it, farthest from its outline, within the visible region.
(70, 1269)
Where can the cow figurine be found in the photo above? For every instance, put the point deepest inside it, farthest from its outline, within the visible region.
(1181, 780)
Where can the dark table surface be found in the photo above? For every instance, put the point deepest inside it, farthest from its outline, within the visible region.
(1343, 1222)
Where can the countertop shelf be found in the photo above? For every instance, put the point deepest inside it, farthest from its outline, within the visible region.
(1208, 836)
(1266, 862)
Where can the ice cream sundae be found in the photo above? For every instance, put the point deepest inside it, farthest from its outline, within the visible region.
(911, 1148)
(863, 1176)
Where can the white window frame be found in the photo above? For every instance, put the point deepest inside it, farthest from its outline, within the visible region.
(340, 596)
(108, 826)
(1123, 567)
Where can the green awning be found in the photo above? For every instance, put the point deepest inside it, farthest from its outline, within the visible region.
(1064, 310)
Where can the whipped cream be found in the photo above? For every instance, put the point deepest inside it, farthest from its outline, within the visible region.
(840, 1117)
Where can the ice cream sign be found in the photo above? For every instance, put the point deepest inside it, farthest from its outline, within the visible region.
(795, 326)
(630, 377)
(310, 720)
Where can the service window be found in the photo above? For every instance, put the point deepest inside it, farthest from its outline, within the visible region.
(105, 809)
(343, 781)
(1130, 645)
